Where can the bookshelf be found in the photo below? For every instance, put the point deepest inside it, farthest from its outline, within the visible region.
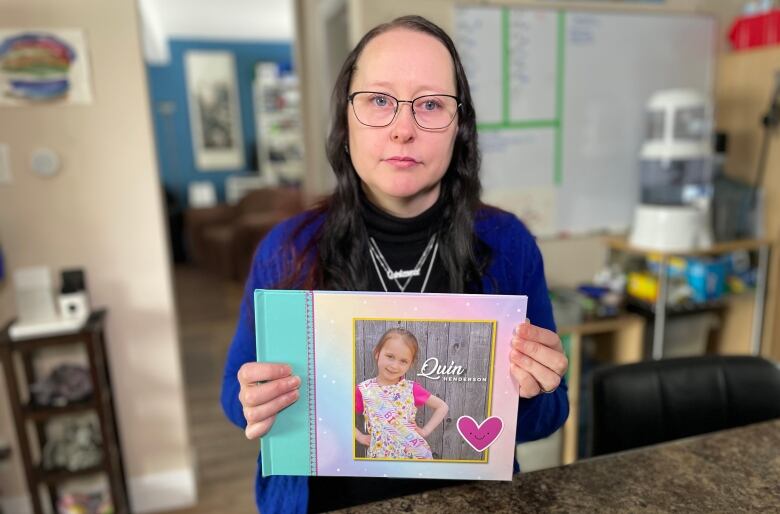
(27, 413)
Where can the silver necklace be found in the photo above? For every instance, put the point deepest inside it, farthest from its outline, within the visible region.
(379, 260)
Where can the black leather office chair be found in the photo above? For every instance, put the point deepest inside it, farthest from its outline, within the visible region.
(651, 402)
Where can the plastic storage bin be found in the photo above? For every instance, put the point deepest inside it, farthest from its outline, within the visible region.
(755, 30)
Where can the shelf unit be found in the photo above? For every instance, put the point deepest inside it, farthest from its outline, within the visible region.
(660, 310)
(278, 124)
(101, 403)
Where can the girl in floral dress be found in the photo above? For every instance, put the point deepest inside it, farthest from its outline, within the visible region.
(389, 402)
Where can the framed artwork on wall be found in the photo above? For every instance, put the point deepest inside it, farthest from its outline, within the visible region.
(215, 117)
(46, 66)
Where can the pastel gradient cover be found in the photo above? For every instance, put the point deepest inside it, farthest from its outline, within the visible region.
(450, 410)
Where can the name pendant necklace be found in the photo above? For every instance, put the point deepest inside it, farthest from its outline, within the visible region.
(379, 261)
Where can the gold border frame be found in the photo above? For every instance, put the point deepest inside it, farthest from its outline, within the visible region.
(491, 373)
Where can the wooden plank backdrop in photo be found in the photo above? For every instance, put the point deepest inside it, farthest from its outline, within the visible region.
(466, 343)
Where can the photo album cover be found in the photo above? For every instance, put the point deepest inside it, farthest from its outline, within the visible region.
(412, 385)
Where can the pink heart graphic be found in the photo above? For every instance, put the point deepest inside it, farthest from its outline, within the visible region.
(480, 436)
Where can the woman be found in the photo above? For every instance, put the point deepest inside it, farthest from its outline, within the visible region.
(405, 216)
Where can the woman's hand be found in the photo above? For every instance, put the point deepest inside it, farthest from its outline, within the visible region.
(537, 360)
(265, 390)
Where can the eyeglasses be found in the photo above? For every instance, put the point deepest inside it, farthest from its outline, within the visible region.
(430, 112)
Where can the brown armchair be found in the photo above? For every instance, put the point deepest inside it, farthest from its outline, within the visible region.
(223, 238)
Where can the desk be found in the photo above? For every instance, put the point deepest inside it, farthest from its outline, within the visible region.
(730, 471)
(628, 336)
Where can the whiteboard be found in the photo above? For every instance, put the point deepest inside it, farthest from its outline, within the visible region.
(560, 99)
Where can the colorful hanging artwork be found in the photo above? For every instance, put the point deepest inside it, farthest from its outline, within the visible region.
(43, 66)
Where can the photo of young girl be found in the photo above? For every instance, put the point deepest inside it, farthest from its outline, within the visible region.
(389, 402)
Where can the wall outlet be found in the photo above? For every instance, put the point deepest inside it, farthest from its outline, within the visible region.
(5, 164)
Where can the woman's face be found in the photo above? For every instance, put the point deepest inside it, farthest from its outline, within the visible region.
(393, 360)
(401, 165)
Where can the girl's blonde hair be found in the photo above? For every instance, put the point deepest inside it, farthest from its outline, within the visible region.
(406, 336)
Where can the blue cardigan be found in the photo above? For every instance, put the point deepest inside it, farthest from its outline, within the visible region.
(516, 268)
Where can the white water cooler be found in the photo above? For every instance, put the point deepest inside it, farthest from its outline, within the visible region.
(676, 174)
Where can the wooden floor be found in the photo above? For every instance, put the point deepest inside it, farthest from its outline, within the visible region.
(226, 460)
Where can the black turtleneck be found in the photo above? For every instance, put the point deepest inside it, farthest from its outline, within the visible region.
(402, 241)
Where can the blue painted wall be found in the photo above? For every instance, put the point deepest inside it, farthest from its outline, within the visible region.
(169, 95)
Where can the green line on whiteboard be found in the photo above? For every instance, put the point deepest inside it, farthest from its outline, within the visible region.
(529, 124)
(559, 98)
(505, 62)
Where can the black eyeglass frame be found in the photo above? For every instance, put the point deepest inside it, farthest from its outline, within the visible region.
(398, 103)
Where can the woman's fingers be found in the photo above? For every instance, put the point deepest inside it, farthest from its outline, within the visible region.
(539, 353)
(553, 360)
(269, 409)
(266, 389)
(255, 430)
(252, 372)
(258, 394)
(547, 380)
(527, 331)
(529, 387)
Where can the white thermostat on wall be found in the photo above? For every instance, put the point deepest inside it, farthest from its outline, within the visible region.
(45, 162)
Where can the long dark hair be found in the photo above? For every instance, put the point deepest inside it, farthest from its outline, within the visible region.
(341, 243)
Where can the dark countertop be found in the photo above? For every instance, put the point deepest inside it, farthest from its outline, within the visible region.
(734, 470)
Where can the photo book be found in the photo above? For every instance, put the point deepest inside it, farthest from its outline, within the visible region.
(412, 385)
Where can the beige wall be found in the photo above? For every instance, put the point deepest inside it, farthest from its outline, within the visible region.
(310, 52)
(745, 82)
(104, 213)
